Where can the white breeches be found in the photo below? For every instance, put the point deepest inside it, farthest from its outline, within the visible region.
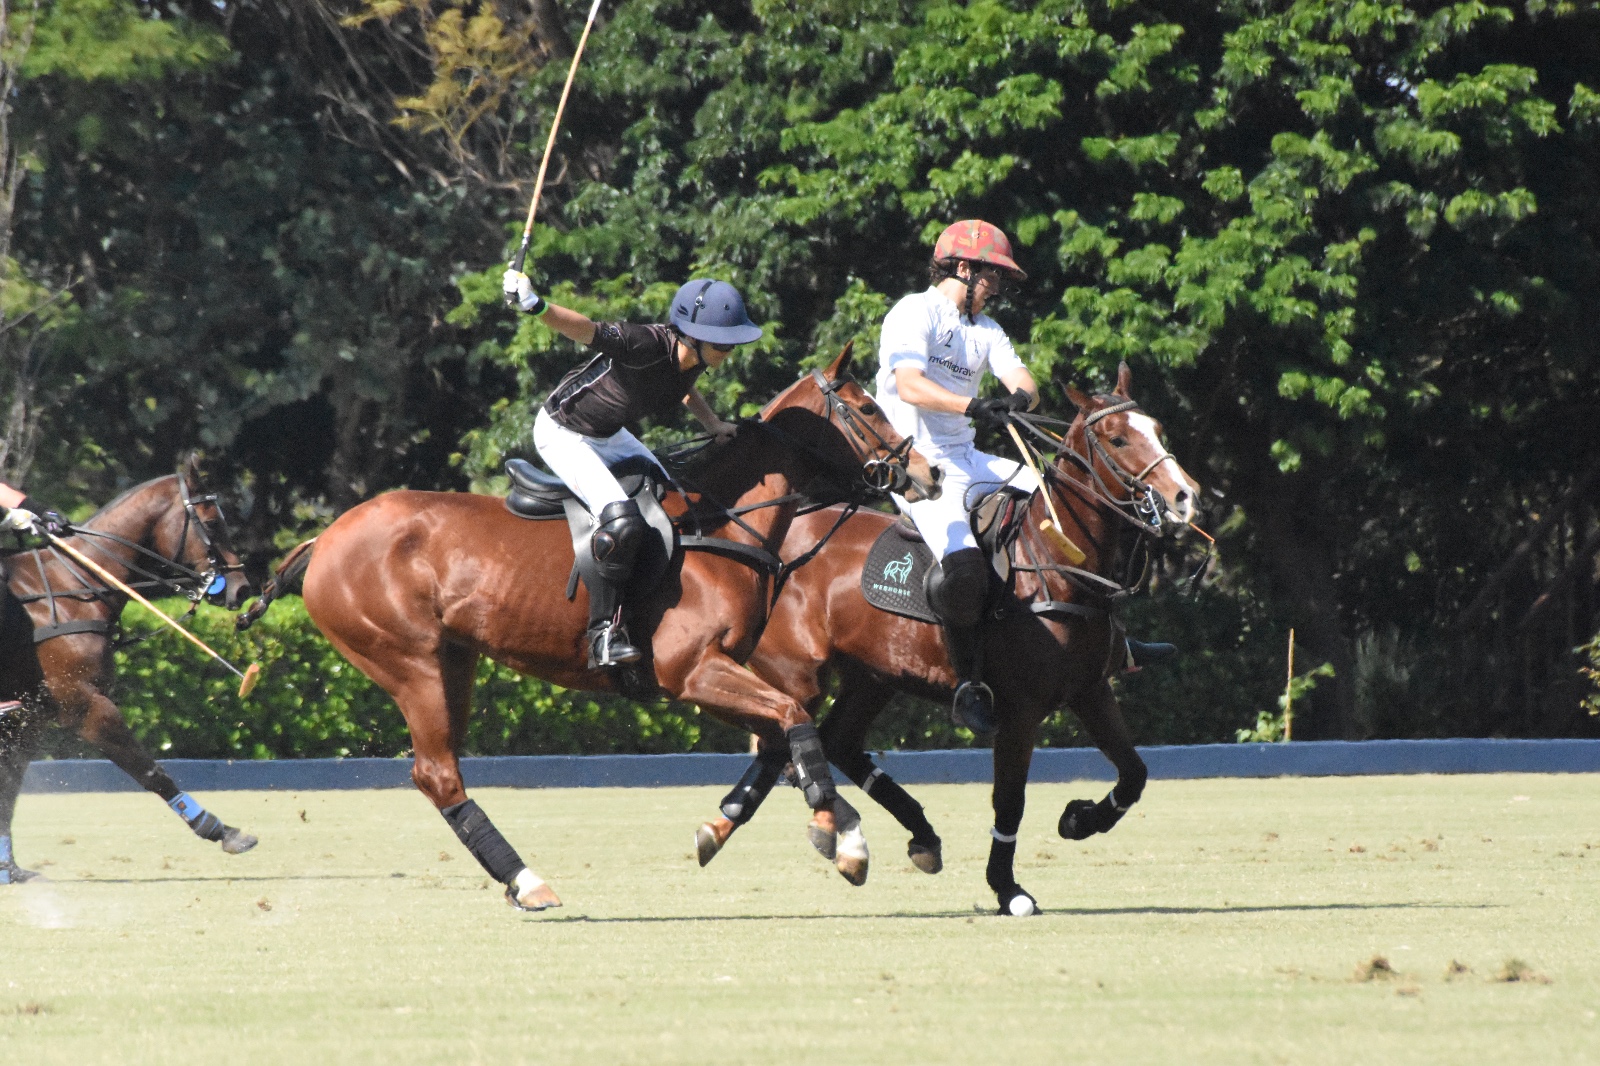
(582, 461)
(969, 475)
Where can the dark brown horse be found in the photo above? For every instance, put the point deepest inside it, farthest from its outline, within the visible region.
(1056, 642)
(413, 587)
(164, 537)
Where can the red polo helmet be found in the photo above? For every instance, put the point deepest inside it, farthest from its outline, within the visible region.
(978, 242)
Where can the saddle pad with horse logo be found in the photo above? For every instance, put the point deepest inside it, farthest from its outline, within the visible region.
(893, 578)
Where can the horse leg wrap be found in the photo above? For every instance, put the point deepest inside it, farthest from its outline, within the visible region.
(206, 825)
(1001, 871)
(811, 771)
(1083, 819)
(739, 805)
(473, 828)
(887, 793)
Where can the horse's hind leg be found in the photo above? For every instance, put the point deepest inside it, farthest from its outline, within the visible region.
(844, 732)
(1102, 719)
(103, 726)
(435, 696)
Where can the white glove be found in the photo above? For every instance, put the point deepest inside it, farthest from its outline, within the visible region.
(20, 520)
(519, 290)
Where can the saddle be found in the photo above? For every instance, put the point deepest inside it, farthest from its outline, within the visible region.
(541, 497)
(895, 576)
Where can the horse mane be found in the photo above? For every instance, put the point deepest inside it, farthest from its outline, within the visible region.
(123, 496)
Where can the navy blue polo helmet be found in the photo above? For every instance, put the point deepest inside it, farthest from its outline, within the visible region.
(712, 311)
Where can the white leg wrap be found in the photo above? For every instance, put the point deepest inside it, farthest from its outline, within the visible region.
(1004, 838)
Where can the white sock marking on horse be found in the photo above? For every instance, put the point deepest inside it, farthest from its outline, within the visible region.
(526, 881)
(853, 843)
(1004, 838)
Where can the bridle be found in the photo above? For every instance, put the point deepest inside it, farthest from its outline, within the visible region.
(892, 474)
(1143, 506)
(213, 581)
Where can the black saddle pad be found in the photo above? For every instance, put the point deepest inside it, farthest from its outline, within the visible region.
(894, 577)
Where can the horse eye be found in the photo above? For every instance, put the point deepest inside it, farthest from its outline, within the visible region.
(1119, 442)
(869, 409)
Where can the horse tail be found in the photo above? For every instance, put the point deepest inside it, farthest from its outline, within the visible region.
(285, 579)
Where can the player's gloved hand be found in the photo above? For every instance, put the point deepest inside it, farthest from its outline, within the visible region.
(988, 412)
(519, 292)
(1021, 400)
(21, 520)
(54, 524)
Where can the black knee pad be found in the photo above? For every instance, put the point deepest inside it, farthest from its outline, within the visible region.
(618, 535)
(958, 587)
(811, 767)
(473, 828)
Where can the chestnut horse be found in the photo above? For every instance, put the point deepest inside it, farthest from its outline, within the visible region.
(1053, 638)
(413, 587)
(161, 538)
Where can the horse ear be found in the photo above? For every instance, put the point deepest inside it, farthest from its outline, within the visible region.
(190, 467)
(1081, 400)
(1124, 381)
(841, 364)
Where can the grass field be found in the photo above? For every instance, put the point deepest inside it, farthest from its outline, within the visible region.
(1221, 922)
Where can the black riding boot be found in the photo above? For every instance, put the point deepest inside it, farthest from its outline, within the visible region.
(619, 532)
(957, 590)
(973, 707)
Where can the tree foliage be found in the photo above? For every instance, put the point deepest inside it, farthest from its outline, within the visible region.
(1349, 248)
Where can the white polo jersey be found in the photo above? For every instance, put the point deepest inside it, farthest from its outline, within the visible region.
(926, 330)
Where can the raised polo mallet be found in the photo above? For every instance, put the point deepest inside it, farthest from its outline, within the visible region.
(247, 679)
(549, 144)
(1050, 527)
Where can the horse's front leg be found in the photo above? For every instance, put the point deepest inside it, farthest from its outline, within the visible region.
(1102, 718)
(1013, 753)
(740, 698)
(100, 722)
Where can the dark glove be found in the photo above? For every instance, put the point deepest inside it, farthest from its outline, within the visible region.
(48, 519)
(987, 412)
(1021, 400)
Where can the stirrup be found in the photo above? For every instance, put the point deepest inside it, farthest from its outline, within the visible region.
(609, 646)
(973, 707)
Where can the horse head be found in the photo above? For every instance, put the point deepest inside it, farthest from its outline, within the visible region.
(1122, 445)
(174, 520)
(831, 416)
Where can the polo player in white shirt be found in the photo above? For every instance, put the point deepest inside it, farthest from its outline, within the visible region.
(934, 350)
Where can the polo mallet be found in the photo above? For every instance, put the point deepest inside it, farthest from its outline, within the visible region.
(549, 144)
(247, 679)
(1050, 527)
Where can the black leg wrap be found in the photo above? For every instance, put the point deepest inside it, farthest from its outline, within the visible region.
(1083, 819)
(740, 805)
(208, 827)
(1001, 872)
(888, 794)
(811, 766)
(473, 828)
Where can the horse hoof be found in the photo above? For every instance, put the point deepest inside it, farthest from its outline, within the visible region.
(12, 874)
(237, 841)
(539, 898)
(853, 858)
(1075, 822)
(928, 860)
(707, 843)
(824, 840)
(1020, 905)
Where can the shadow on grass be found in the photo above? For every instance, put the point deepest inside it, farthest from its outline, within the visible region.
(1072, 912)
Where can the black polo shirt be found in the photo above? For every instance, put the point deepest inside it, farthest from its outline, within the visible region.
(634, 374)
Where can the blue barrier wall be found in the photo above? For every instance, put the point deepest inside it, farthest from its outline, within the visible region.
(1306, 759)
